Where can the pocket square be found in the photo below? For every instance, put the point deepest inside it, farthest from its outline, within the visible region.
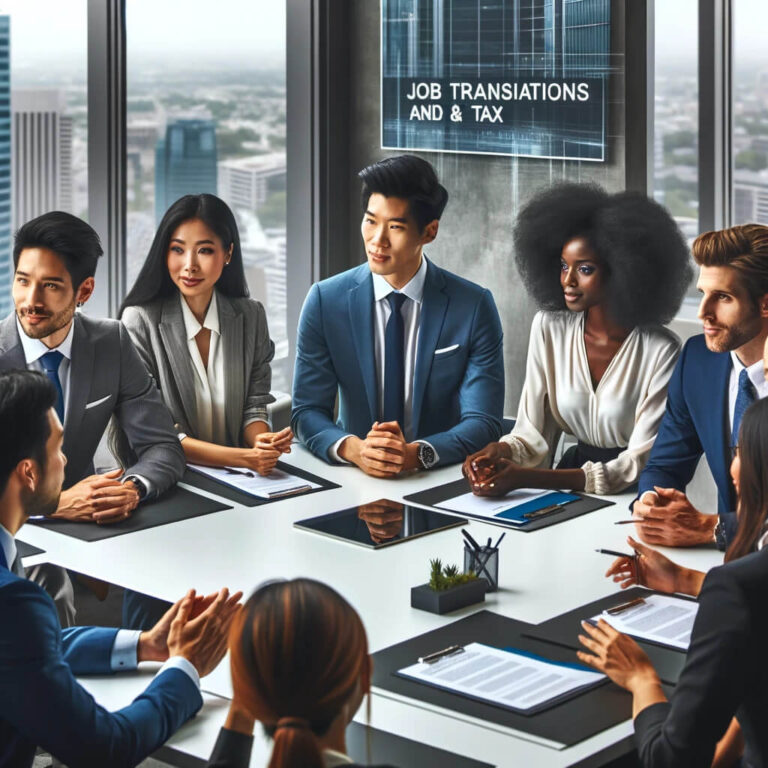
(446, 349)
(97, 402)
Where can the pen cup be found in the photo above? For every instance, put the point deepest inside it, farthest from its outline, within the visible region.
(484, 563)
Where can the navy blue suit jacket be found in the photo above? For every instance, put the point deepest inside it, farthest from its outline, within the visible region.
(42, 704)
(458, 396)
(696, 421)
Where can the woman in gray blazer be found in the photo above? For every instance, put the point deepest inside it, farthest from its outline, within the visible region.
(203, 340)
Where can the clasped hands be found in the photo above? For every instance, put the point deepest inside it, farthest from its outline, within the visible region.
(384, 451)
(98, 498)
(267, 449)
(491, 472)
(666, 518)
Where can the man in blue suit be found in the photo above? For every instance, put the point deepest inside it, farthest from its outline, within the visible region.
(413, 351)
(718, 375)
(41, 702)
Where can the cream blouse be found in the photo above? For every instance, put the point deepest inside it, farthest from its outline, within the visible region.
(624, 410)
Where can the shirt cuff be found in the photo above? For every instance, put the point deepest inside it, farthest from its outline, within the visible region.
(125, 650)
(144, 480)
(259, 417)
(182, 435)
(333, 451)
(185, 666)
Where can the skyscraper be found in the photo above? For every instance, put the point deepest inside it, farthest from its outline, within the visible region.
(185, 162)
(246, 182)
(6, 266)
(41, 160)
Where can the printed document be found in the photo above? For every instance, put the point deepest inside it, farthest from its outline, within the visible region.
(487, 506)
(276, 483)
(503, 678)
(661, 619)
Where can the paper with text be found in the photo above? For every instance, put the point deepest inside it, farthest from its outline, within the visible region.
(276, 483)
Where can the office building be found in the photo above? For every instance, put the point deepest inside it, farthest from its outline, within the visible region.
(185, 162)
(247, 182)
(41, 161)
(6, 269)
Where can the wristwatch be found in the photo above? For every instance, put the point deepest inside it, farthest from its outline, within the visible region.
(140, 486)
(426, 455)
(719, 536)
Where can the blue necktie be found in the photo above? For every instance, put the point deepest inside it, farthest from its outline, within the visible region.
(745, 397)
(50, 362)
(394, 364)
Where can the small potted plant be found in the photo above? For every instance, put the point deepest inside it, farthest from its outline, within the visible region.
(448, 590)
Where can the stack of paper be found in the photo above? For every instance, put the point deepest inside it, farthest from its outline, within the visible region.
(276, 483)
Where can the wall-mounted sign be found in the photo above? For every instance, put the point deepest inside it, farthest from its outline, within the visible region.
(501, 77)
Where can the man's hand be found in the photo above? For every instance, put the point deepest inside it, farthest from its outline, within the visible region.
(202, 640)
(381, 454)
(666, 518)
(479, 466)
(651, 569)
(506, 477)
(384, 428)
(98, 498)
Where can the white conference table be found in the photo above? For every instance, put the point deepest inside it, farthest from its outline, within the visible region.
(542, 574)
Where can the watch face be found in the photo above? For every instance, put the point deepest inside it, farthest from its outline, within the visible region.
(426, 455)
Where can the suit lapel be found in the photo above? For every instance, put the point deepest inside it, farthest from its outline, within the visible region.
(231, 337)
(722, 457)
(433, 308)
(80, 377)
(360, 304)
(174, 337)
(11, 351)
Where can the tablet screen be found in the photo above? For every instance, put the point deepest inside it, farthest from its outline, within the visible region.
(380, 523)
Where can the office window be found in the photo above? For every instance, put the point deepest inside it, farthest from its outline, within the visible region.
(749, 141)
(676, 113)
(206, 113)
(43, 117)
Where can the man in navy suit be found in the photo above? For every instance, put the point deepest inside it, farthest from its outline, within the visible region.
(413, 352)
(718, 375)
(41, 702)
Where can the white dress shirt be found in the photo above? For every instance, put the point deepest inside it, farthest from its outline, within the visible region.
(623, 411)
(411, 312)
(334, 759)
(756, 376)
(210, 394)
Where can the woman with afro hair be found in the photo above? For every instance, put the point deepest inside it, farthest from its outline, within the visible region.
(599, 359)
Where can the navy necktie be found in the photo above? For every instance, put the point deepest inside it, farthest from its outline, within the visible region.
(50, 362)
(394, 363)
(745, 397)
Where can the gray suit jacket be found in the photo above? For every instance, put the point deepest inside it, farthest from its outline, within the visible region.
(158, 331)
(106, 377)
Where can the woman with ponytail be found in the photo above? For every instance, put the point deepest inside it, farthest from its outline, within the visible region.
(300, 666)
(724, 685)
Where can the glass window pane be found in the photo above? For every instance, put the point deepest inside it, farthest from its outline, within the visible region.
(750, 113)
(43, 117)
(206, 113)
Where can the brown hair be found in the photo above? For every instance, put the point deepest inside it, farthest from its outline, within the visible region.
(744, 248)
(298, 652)
(753, 480)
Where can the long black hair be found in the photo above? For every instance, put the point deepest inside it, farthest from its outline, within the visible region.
(154, 281)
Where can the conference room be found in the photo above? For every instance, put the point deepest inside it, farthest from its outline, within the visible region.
(520, 530)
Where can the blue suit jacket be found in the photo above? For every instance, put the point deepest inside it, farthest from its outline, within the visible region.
(42, 704)
(696, 421)
(458, 397)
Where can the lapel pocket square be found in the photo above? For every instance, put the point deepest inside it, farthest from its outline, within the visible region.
(446, 349)
(97, 402)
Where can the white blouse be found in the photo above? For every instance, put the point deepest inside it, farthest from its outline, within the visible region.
(210, 395)
(624, 410)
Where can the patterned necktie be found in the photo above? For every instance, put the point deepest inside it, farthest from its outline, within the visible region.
(745, 397)
(50, 362)
(394, 363)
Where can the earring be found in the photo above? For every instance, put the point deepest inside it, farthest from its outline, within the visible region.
(79, 304)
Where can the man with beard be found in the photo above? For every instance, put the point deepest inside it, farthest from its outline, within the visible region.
(718, 375)
(41, 702)
(97, 374)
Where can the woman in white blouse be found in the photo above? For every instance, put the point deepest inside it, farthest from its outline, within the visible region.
(204, 341)
(599, 359)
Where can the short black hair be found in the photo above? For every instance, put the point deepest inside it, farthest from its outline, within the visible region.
(646, 258)
(411, 178)
(25, 399)
(71, 239)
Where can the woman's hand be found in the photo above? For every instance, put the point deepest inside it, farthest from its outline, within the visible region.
(267, 449)
(651, 569)
(481, 465)
(505, 477)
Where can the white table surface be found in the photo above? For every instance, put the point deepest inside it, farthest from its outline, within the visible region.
(542, 574)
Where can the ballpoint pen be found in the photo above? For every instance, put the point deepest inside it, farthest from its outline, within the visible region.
(614, 553)
(496, 545)
(431, 658)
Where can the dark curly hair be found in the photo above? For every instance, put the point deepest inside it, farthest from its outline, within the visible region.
(646, 260)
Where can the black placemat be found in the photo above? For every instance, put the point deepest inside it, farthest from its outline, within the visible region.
(565, 628)
(174, 505)
(206, 483)
(27, 550)
(567, 722)
(388, 749)
(434, 497)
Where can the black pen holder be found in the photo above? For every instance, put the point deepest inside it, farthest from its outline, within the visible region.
(484, 563)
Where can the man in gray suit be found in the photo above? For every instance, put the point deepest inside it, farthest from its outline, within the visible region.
(97, 374)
